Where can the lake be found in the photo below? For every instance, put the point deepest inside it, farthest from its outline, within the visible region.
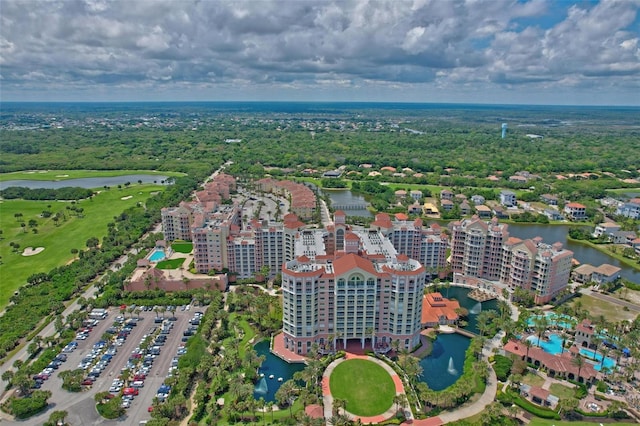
(344, 199)
(97, 182)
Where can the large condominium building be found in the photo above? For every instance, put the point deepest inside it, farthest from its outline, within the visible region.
(541, 268)
(303, 200)
(346, 285)
(428, 245)
(176, 222)
(484, 250)
(209, 235)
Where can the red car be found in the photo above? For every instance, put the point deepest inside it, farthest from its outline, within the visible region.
(139, 377)
(87, 382)
(150, 409)
(130, 391)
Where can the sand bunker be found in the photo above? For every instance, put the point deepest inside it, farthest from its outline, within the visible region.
(127, 197)
(62, 175)
(30, 251)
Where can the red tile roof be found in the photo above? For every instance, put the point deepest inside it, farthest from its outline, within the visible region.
(351, 261)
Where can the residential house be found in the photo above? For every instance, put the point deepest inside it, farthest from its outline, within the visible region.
(400, 194)
(635, 244)
(582, 274)
(446, 194)
(465, 208)
(414, 208)
(500, 212)
(483, 211)
(508, 198)
(605, 273)
(477, 199)
(605, 229)
(447, 205)
(416, 194)
(553, 214)
(630, 209)
(430, 209)
(518, 179)
(575, 211)
(549, 199)
(622, 237)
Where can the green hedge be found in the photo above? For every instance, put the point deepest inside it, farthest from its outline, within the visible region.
(512, 397)
(502, 367)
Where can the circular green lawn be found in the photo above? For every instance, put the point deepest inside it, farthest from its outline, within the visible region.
(367, 387)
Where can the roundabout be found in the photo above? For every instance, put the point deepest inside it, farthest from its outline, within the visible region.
(366, 384)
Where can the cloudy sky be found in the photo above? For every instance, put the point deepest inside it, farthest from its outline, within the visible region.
(494, 51)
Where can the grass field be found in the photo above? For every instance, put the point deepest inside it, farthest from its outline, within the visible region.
(562, 391)
(170, 263)
(56, 240)
(597, 307)
(77, 174)
(533, 380)
(366, 386)
(182, 247)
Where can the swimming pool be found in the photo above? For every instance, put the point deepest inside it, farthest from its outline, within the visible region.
(608, 362)
(157, 255)
(563, 321)
(553, 345)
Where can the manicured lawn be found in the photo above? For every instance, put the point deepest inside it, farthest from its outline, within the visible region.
(77, 174)
(535, 421)
(561, 391)
(56, 240)
(533, 380)
(366, 386)
(182, 247)
(170, 263)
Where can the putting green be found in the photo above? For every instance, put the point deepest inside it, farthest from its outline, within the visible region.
(367, 387)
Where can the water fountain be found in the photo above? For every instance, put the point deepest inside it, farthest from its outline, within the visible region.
(452, 369)
(261, 388)
(477, 308)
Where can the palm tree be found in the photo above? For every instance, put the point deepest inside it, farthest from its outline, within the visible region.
(527, 344)
(578, 361)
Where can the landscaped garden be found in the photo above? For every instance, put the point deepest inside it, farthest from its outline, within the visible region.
(182, 247)
(170, 263)
(366, 387)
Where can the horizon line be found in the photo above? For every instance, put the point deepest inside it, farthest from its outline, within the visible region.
(309, 102)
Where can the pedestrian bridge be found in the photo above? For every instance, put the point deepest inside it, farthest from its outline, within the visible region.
(349, 206)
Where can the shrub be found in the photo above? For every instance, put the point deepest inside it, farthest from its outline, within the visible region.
(502, 367)
(30, 405)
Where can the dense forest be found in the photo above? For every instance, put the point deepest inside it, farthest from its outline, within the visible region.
(427, 141)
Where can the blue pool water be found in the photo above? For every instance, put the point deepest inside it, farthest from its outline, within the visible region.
(608, 362)
(267, 387)
(553, 345)
(157, 256)
(563, 321)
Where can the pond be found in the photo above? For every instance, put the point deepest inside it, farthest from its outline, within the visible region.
(274, 372)
(97, 182)
(444, 365)
(474, 308)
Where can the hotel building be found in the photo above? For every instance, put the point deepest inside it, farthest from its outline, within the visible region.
(345, 285)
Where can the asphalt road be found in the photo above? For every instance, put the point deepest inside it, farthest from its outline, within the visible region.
(607, 298)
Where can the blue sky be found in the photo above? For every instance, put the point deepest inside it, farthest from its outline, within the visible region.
(476, 51)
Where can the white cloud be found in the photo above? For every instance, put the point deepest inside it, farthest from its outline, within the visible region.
(261, 46)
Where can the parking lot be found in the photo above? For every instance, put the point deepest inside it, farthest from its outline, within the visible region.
(81, 406)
